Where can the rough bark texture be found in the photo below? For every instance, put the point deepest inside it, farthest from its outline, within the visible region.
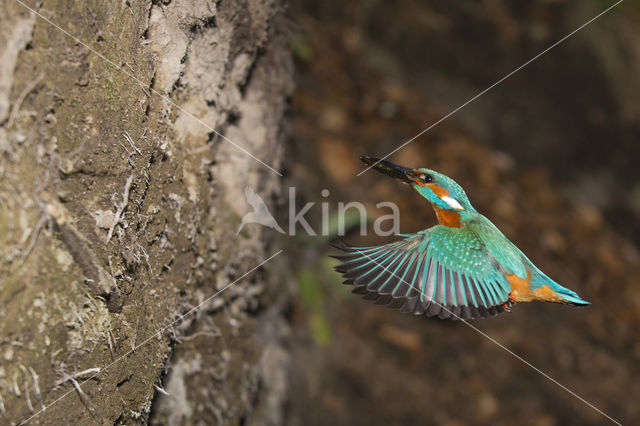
(118, 211)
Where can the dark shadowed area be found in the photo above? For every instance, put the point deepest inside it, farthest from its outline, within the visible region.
(549, 155)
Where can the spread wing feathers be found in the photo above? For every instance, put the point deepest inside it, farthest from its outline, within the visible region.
(413, 275)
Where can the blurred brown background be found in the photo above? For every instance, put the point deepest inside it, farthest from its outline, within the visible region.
(549, 156)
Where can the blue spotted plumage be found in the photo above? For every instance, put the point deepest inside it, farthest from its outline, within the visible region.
(462, 268)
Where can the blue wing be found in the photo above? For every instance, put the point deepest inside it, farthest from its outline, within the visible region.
(434, 272)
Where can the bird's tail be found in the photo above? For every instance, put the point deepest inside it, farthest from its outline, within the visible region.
(571, 296)
(539, 279)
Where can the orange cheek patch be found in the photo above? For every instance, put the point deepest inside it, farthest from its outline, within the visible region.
(438, 190)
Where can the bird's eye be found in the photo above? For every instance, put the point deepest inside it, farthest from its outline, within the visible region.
(425, 178)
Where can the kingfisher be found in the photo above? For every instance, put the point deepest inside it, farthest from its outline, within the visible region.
(463, 268)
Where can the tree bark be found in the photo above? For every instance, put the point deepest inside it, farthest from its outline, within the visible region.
(119, 207)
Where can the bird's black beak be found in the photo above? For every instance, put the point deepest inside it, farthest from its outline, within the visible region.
(389, 169)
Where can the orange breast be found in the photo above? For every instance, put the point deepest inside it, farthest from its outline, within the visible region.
(447, 217)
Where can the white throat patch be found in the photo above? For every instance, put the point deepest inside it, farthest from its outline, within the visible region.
(453, 203)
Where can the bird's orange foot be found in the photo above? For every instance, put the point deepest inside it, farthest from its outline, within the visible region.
(509, 303)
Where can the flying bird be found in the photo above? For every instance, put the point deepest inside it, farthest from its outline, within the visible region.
(462, 268)
(260, 213)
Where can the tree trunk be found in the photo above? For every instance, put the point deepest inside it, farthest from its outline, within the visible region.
(119, 206)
